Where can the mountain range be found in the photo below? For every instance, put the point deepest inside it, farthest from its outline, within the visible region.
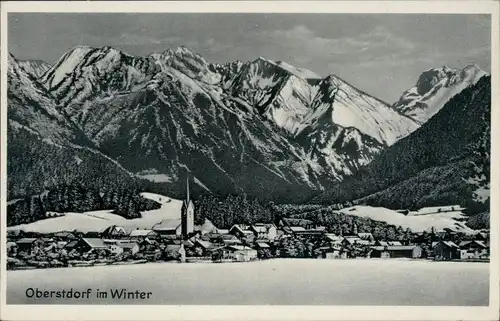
(261, 128)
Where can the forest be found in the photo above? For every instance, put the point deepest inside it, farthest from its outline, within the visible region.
(78, 198)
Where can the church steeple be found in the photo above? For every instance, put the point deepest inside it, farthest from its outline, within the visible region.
(187, 188)
(187, 213)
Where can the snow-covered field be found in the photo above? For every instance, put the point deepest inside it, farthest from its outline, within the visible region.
(274, 282)
(99, 220)
(416, 223)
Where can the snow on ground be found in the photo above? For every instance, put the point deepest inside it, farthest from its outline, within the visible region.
(366, 282)
(99, 220)
(439, 221)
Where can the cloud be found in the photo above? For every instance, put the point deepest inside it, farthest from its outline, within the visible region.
(301, 40)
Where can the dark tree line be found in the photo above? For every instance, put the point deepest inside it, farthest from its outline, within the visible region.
(224, 212)
(78, 198)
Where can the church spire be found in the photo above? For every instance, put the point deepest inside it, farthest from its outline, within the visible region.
(187, 189)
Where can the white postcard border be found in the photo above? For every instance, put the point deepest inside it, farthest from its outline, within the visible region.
(192, 312)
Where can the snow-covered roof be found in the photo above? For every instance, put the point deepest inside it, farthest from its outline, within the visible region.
(95, 242)
(394, 248)
(128, 245)
(26, 240)
(141, 233)
(333, 237)
(240, 248)
(262, 245)
(204, 244)
(167, 225)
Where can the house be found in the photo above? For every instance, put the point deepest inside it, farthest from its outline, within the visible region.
(446, 250)
(387, 243)
(175, 252)
(28, 244)
(238, 253)
(64, 236)
(142, 234)
(381, 243)
(333, 240)
(229, 239)
(129, 247)
(262, 245)
(366, 236)
(11, 248)
(328, 252)
(147, 245)
(396, 251)
(350, 240)
(473, 250)
(241, 232)
(86, 245)
(114, 231)
(212, 237)
(306, 224)
(203, 248)
(363, 242)
(170, 227)
(262, 230)
(293, 229)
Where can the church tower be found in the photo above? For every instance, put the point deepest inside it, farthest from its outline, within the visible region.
(187, 214)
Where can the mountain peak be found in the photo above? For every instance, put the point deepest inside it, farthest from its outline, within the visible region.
(434, 88)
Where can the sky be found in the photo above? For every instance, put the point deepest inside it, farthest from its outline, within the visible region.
(381, 54)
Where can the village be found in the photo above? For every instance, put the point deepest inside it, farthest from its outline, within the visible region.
(180, 240)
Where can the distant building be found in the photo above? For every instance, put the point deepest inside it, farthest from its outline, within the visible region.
(396, 251)
(114, 231)
(473, 250)
(333, 240)
(242, 232)
(263, 230)
(175, 252)
(204, 247)
(327, 252)
(85, 245)
(236, 253)
(366, 236)
(446, 250)
(28, 244)
(172, 227)
(64, 235)
(142, 234)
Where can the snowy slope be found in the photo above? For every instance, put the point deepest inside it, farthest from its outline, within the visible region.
(346, 106)
(35, 67)
(421, 223)
(97, 221)
(434, 88)
(277, 91)
(32, 108)
(84, 73)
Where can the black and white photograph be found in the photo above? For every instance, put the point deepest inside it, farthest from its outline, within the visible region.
(248, 159)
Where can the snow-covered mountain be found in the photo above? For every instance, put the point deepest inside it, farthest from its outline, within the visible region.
(31, 108)
(263, 128)
(35, 67)
(434, 88)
